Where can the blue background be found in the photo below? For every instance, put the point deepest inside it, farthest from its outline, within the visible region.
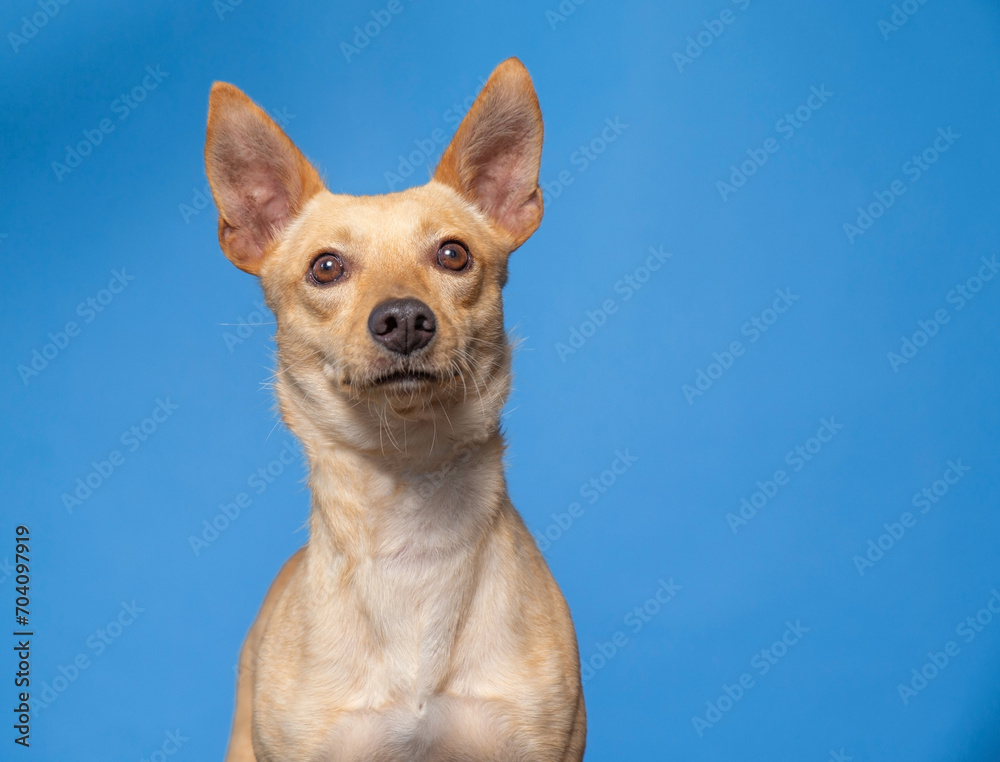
(169, 335)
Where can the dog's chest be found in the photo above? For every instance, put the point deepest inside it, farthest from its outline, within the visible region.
(383, 685)
(398, 663)
(443, 728)
(412, 613)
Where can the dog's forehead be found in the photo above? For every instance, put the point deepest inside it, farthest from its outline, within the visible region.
(413, 217)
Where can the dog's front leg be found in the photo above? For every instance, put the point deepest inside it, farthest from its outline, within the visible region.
(241, 738)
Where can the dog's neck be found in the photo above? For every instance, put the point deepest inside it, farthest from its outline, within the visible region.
(419, 495)
(383, 509)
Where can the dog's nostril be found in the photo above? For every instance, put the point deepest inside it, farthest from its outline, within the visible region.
(388, 325)
(402, 325)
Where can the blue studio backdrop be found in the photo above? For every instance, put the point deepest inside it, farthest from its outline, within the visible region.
(755, 422)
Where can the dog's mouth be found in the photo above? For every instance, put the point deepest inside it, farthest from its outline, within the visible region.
(394, 380)
(405, 378)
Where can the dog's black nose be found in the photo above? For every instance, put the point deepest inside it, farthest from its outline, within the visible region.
(402, 325)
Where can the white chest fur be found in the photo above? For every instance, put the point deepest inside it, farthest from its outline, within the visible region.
(396, 614)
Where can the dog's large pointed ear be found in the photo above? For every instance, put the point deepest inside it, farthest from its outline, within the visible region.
(259, 179)
(494, 157)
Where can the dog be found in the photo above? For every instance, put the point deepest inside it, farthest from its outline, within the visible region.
(420, 622)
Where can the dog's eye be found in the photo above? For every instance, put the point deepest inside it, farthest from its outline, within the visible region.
(453, 256)
(327, 268)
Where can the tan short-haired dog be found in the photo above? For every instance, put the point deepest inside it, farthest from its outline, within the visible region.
(420, 622)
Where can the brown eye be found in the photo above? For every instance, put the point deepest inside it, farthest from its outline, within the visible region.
(327, 268)
(453, 256)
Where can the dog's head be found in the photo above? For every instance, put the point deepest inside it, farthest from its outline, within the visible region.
(389, 307)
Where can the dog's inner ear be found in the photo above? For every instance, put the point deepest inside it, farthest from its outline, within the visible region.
(494, 157)
(259, 179)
